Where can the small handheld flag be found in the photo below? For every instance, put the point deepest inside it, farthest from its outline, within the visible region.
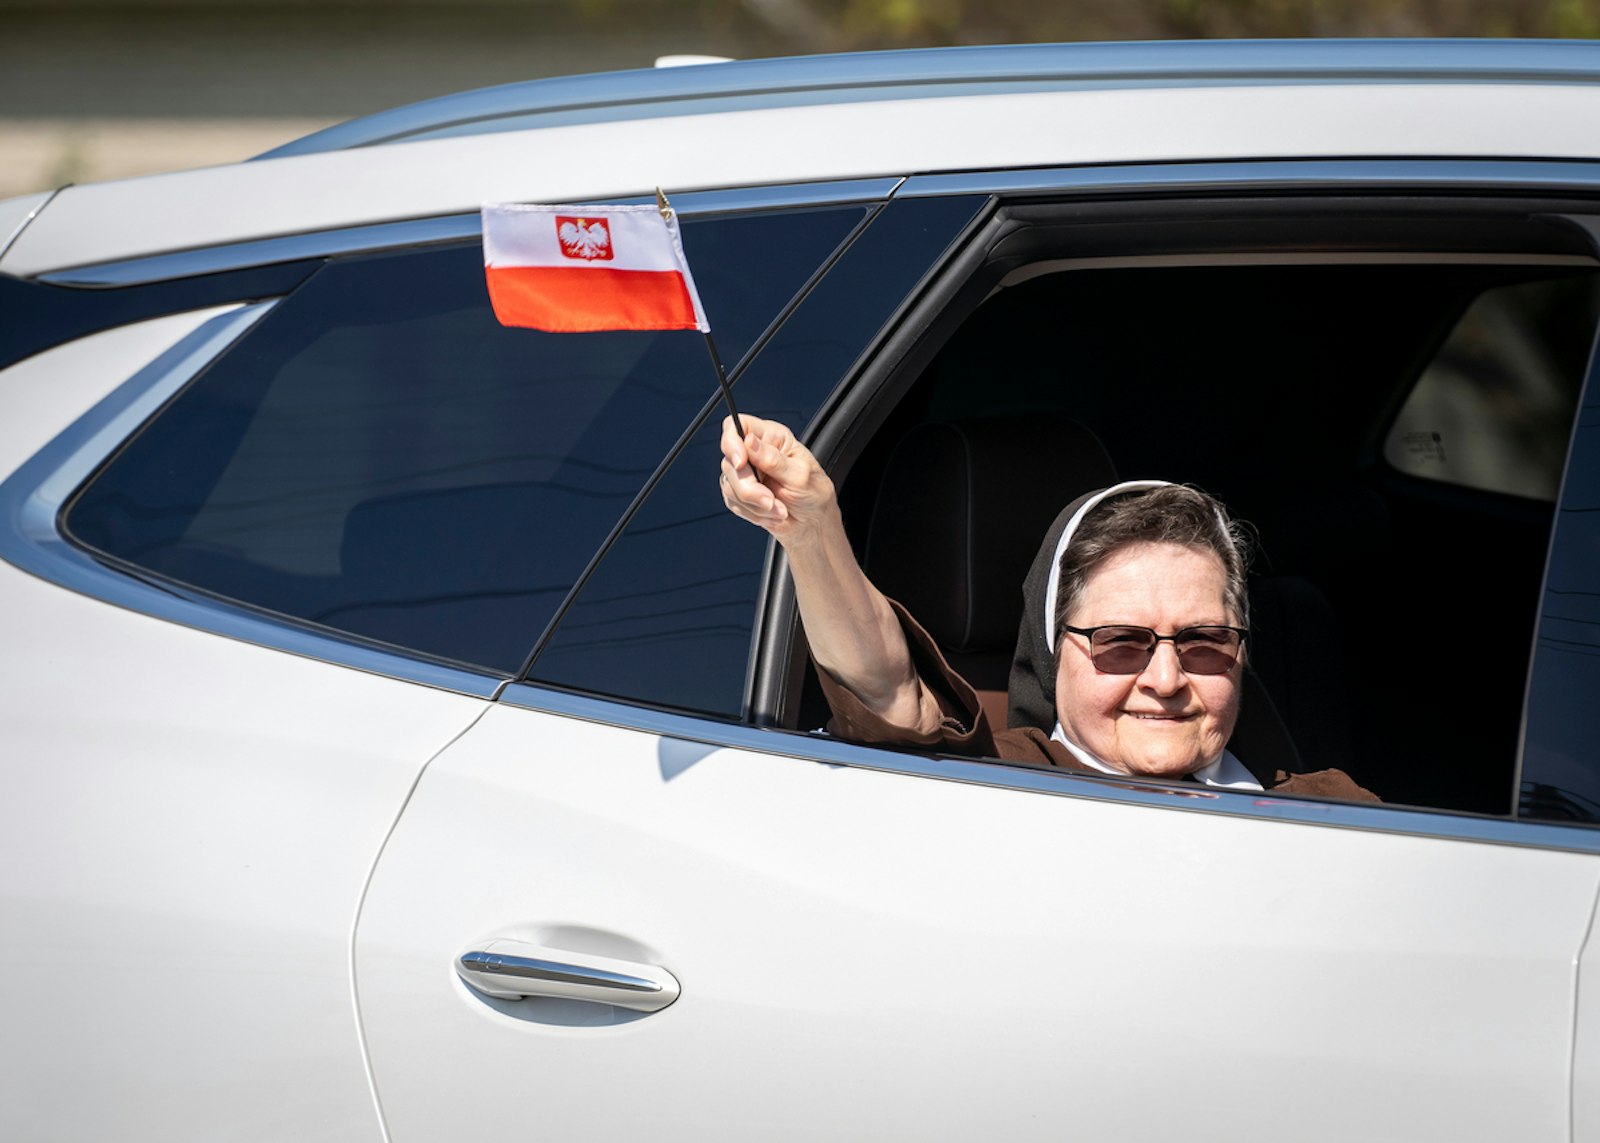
(575, 269)
(590, 269)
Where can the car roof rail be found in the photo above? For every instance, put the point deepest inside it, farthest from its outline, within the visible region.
(920, 73)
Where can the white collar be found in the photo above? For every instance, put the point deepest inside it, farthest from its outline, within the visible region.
(1226, 773)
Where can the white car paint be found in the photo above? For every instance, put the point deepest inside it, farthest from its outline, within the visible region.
(186, 828)
(867, 955)
(1586, 1048)
(801, 144)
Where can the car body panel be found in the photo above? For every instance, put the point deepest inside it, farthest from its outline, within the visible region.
(181, 854)
(85, 225)
(1586, 1046)
(858, 959)
(16, 213)
(183, 934)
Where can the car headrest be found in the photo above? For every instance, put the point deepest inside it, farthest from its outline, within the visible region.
(959, 514)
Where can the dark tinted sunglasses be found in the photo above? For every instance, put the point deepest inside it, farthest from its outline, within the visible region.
(1122, 650)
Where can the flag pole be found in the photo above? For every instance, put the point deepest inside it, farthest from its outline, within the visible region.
(727, 390)
(711, 346)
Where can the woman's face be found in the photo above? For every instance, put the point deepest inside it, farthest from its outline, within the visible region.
(1162, 722)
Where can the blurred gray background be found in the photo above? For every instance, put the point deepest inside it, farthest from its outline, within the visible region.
(98, 89)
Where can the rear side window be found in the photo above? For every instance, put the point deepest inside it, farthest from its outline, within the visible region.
(382, 458)
(1493, 409)
(1560, 762)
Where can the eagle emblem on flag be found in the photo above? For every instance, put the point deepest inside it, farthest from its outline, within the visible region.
(585, 238)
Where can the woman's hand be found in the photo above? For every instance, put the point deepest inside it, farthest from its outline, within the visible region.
(773, 481)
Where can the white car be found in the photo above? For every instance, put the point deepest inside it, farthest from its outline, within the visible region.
(398, 740)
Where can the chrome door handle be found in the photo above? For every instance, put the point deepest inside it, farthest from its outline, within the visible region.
(515, 970)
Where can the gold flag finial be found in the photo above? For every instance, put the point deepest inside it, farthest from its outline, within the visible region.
(662, 204)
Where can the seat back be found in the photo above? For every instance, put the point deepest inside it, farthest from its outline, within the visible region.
(957, 521)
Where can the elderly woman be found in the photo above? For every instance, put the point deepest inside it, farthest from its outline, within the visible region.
(1144, 626)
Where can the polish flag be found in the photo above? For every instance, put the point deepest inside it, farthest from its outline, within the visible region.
(576, 269)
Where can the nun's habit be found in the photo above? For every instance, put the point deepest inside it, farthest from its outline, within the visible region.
(1035, 736)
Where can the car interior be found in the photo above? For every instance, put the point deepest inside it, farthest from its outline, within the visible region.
(1383, 387)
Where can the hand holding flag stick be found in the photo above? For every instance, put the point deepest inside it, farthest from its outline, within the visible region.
(574, 269)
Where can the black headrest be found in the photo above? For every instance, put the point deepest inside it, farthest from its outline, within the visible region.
(959, 515)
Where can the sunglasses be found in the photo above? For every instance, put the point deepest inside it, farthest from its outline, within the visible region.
(1123, 650)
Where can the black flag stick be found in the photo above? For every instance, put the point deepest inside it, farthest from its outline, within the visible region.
(716, 359)
(722, 379)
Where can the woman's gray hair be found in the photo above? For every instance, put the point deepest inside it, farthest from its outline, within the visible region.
(1171, 514)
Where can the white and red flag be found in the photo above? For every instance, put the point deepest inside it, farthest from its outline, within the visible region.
(583, 269)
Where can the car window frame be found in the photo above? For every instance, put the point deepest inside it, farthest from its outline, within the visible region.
(847, 421)
(33, 497)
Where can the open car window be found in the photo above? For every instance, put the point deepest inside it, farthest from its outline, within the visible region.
(1249, 361)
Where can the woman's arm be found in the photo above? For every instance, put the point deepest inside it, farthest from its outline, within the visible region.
(773, 481)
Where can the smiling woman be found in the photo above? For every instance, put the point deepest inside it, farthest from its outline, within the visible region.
(1130, 700)
(1144, 614)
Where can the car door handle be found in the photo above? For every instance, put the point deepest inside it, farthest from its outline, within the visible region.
(516, 970)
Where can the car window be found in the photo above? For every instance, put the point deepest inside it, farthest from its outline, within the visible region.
(1269, 384)
(1560, 778)
(381, 458)
(668, 615)
(1493, 409)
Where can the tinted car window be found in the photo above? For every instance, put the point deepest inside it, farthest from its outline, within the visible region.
(1493, 409)
(382, 458)
(667, 617)
(1560, 768)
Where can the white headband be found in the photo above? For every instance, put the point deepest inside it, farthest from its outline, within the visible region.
(1066, 537)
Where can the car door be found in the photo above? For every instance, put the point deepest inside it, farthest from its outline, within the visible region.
(868, 946)
(601, 919)
(263, 560)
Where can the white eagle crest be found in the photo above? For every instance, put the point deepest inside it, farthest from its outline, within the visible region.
(583, 241)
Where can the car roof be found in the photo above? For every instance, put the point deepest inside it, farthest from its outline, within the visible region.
(742, 85)
(874, 116)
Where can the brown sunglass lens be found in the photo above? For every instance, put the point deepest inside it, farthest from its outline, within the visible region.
(1206, 660)
(1122, 650)
(1201, 651)
(1208, 650)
